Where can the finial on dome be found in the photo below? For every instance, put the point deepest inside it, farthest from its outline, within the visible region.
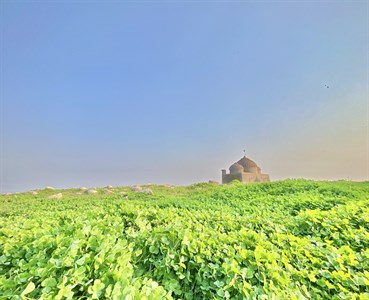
(244, 152)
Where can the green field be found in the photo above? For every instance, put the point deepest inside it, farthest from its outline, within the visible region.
(293, 239)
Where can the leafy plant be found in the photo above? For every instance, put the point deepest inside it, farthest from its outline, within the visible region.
(294, 239)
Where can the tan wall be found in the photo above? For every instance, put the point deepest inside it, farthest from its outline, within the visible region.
(229, 177)
(245, 177)
(264, 177)
(248, 177)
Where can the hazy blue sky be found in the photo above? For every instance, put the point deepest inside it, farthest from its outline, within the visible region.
(114, 92)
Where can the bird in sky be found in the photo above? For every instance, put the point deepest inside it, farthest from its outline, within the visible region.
(327, 86)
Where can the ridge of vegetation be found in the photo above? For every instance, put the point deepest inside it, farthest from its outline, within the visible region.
(292, 239)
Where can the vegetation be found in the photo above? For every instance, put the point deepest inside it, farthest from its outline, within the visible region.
(294, 239)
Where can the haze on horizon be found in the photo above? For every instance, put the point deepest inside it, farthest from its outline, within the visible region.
(121, 93)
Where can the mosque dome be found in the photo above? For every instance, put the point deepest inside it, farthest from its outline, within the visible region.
(248, 165)
(236, 168)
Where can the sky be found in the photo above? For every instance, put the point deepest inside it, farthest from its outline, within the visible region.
(171, 92)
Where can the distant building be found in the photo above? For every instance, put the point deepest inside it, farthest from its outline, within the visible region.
(245, 170)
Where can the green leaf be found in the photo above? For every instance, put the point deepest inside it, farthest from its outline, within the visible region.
(97, 289)
(153, 249)
(49, 282)
(182, 265)
(29, 288)
(65, 291)
(249, 273)
(312, 277)
(219, 283)
(220, 293)
(80, 261)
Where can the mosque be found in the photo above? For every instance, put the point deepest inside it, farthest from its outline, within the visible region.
(244, 170)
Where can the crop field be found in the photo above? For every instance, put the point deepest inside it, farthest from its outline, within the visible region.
(293, 239)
